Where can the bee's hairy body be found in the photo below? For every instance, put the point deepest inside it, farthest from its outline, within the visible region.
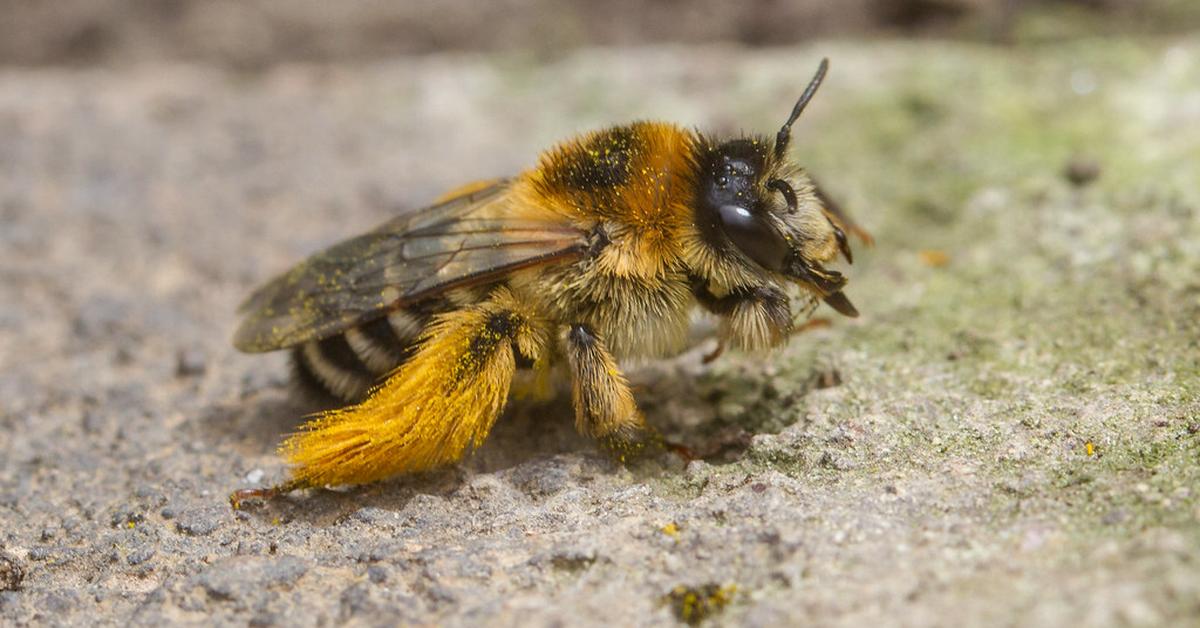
(630, 187)
(664, 219)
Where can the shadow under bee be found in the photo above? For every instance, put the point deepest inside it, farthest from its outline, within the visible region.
(256, 423)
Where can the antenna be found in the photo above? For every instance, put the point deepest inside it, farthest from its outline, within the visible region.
(785, 133)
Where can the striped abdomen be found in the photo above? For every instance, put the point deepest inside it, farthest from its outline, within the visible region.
(347, 365)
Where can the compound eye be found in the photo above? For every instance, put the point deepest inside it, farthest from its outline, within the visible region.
(755, 237)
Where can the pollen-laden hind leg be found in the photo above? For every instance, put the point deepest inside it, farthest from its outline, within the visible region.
(440, 403)
(604, 404)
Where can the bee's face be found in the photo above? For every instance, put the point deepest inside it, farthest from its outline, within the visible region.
(762, 210)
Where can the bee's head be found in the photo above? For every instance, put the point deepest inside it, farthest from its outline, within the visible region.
(755, 205)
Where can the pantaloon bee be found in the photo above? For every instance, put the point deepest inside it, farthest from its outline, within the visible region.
(599, 253)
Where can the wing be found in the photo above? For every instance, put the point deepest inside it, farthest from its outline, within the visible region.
(466, 240)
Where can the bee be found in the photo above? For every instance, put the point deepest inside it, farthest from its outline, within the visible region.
(598, 254)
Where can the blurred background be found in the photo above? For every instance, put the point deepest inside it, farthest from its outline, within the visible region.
(256, 33)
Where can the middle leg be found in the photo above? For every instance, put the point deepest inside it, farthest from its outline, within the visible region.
(604, 404)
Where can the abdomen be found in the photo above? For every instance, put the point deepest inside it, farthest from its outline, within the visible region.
(345, 366)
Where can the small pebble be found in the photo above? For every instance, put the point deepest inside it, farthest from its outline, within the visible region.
(11, 574)
(201, 521)
(1081, 171)
(377, 574)
(190, 362)
(140, 556)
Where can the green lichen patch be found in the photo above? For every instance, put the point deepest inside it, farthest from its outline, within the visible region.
(693, 604)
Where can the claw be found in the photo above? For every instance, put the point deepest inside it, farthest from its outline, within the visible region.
(683, 451)
(239, 496)
(843, 245)
(824, 280)
(716, 353)
(810, 324)
(839, 302)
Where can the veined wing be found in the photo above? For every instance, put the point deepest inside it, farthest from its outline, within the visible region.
(467, 240)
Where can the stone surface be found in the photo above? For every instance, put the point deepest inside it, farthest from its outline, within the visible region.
(1010, 439)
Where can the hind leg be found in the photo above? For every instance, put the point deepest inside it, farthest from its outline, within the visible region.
(439, 404)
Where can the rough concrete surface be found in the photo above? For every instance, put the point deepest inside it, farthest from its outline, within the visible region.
(1009, 435)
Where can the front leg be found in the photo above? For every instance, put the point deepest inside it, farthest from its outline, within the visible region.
(752, 317)
(604, 404)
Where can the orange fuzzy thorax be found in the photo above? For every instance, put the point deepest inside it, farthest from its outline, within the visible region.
(636, 178)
